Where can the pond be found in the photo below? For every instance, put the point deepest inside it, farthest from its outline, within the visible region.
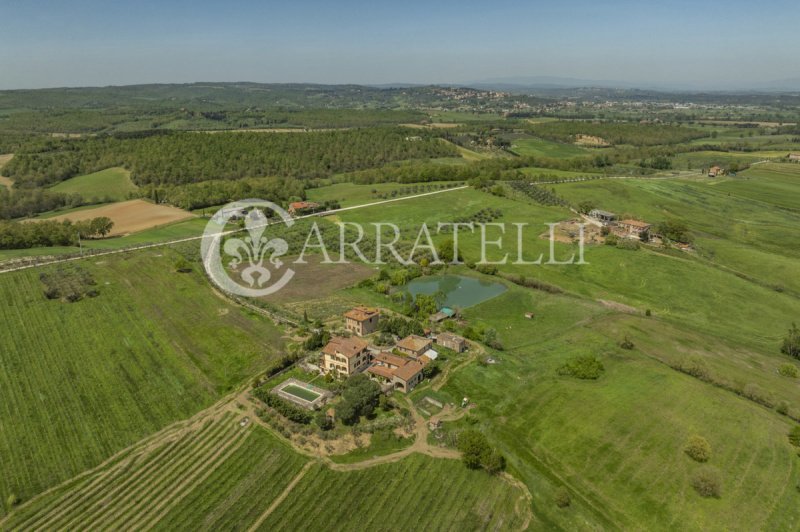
(459, 291)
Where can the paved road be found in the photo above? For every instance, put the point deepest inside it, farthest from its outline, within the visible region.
(324, 213)
(233, 231)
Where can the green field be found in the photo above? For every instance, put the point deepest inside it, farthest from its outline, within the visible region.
(617, 443)
(214, 474)
(112, 184)
(349, 194)
(176, 231)
(86, 379)
(545, 148)
(413, 494)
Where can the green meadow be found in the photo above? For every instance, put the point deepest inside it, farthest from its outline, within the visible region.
(112, 184)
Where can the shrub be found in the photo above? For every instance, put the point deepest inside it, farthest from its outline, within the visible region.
(183, 266)
(788, 370)
(562, 498)
(284, 408)
(707, 483)
(632, 245)
(794, 436)
(626, 343)
(782, 408)
(584, 367)
(698, 449)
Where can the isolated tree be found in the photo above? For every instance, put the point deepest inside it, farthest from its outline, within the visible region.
(791, 344)
(472, 444)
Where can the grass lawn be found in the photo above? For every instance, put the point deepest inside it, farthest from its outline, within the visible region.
(381, 443)
(113, 184)
(84, 380)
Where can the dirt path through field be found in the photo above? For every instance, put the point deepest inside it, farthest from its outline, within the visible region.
(282, 497)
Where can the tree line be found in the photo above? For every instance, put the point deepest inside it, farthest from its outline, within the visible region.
(48, 233)
(181, 158)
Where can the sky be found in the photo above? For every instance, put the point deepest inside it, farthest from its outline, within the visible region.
(674, 43)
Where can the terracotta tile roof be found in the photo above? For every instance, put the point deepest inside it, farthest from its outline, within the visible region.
(296, 205)
(381, 371)
(413, 343)
(407, 372)
(388, 358)
(361, 313)
(347, 347)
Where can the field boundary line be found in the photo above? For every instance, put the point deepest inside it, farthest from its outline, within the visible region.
(282, 497)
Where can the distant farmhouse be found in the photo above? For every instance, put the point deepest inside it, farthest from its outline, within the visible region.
(451, 341)
(632, 228)
(715, 171)
(297, 208)
(345, 356)
(603, 216)
(794, 156)
(362, 320)
(403, 373)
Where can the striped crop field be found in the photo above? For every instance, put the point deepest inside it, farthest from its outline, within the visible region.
(416, 493)
(208, 474)
(84, 380)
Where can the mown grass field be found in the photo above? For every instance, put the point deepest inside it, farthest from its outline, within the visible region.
(113, 184)
(617, 443)
(83, 380)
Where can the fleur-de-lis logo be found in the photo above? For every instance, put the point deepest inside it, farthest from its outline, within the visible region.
(253, 249)
(248, 252)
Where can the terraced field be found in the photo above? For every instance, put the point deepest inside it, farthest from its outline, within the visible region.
(210, 473)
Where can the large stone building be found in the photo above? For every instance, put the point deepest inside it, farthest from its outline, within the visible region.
(452, 341)
(362, 320)
(345, 356)
(632, 228)
(403, 373)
